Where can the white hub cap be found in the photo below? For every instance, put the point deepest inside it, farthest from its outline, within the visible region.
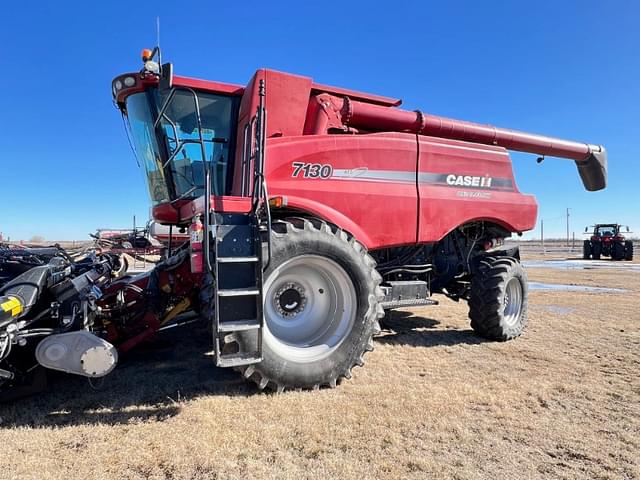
(310, 307)
(512, 301)
(97, 361)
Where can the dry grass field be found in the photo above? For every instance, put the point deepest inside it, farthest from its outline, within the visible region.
(433, 401)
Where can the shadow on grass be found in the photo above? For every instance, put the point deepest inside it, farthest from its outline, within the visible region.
(149, 384)
(406, 328)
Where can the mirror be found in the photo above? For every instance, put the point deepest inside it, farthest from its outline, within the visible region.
(166, 77)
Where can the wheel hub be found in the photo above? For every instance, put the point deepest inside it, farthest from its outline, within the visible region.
(290, 300)
(310, 306)
(513, 297)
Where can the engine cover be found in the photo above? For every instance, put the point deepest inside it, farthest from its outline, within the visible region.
(81, 352)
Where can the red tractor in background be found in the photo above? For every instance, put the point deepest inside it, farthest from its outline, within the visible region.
(311, 209)
(607, 240)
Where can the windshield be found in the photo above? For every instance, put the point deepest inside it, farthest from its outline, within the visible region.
(171, 154)
(606, 231)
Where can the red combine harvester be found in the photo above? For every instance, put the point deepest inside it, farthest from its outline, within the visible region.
(311, 209)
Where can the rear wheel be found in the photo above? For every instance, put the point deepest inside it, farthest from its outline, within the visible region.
(596, 250)
(498, 299)
(618, 251)
(586, 250)
(628, 250)
(321, 307)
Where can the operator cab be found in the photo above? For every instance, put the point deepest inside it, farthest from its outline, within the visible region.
(177, 130)
(606, 230)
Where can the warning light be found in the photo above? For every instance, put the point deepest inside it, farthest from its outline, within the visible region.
(278, 202)
(146, 54)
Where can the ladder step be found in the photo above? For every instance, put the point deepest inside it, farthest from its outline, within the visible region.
(237, 359)
(238, 325)
(238, 292)
(237, 259)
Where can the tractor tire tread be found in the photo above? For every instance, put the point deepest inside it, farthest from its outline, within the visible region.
(486, 306)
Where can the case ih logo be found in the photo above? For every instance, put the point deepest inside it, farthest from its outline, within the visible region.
(469, 181)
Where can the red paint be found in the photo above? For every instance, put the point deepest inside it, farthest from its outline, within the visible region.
(366, 97)
(218, 204)
(198, 84)
(443, 207)
(168, 214)
(152, 324)
(360, 207)
(376, 117)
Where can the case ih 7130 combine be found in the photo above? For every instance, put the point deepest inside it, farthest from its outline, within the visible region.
(311, 209)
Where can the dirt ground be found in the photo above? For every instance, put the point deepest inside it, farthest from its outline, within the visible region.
(433, 401)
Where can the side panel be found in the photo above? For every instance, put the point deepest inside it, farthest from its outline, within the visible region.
(460, 182)
(365, 184)
(287, 98)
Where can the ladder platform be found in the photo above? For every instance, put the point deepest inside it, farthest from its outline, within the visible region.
(238, 292)
(239, 325)
(237, 259)
(237, 359)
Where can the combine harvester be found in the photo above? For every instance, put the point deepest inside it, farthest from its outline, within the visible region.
(311, 209)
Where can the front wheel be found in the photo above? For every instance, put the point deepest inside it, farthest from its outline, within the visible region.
(586, 250)
(321, 308)
(628, 250)
(498, 299)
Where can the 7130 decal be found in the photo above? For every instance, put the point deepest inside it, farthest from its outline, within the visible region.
(311, 170)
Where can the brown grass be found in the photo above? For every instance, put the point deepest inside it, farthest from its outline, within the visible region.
(433, 401)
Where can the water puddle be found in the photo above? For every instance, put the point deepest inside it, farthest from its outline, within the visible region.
(559, 310)
(582, 264)
(572, 288)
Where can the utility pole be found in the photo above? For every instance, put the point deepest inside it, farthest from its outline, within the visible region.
(567, 226)
(542, 233)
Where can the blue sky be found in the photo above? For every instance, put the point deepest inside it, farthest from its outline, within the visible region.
(569, 69)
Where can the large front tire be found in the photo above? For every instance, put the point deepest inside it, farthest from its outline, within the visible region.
(586, 250)
(498, 299)
(321, 307)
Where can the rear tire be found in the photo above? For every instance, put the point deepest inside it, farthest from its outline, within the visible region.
(321, 306)
(596, 250)
(618, 251)
(586, 250)
(498, 300)
(628, 250)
